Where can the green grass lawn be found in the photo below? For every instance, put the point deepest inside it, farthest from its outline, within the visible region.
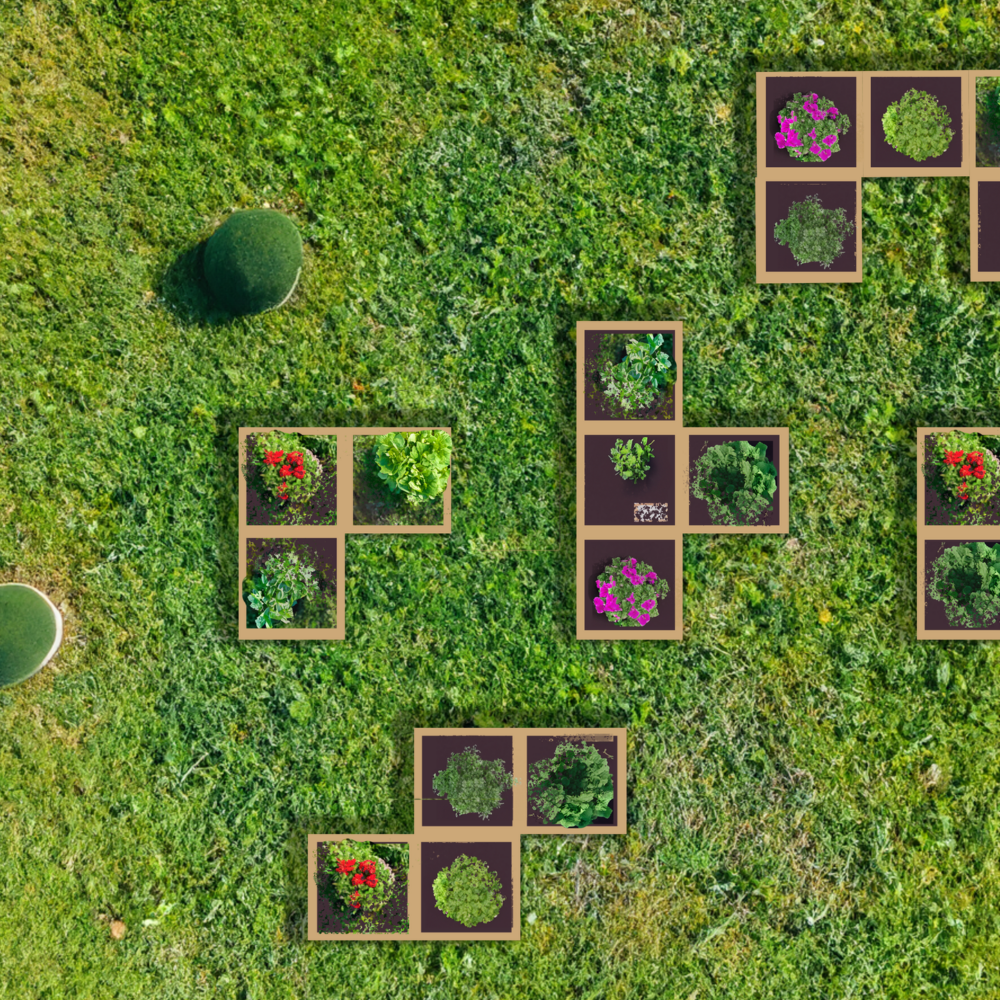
(813, 798)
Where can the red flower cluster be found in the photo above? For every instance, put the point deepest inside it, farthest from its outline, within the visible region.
(292, 466)
(365, 875)
(973, 466)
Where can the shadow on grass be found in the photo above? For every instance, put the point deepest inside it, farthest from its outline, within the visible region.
(185, 291)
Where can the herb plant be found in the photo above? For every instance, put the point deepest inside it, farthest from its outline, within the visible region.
(827, 125)
(642, 374)
(628, 592)
(814, 234)
(415, 464)
(574, 787)
(737, 480)
(468, 891)
(285, 579)
(966, 473)
(471, 784)
(967, 579)
(631, 460)
(290, 472)
(917, 125)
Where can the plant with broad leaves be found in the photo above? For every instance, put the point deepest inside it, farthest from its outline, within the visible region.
(737, 481)
(284, 580)
(468, 891)
(967, 579)
(641, 376)
(471, 784)
(917, 125)
(414, 464)
(632, 460)
(574, 787)
(815, 235)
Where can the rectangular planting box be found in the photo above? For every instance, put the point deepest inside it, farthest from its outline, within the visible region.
(797, 207)
(775, 90)
(700, 517)
(610, 499)
(972, 616)
(946, 89)
(319, 612)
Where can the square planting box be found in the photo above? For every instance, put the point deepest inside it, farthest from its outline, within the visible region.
(609, 499)
(960, 617)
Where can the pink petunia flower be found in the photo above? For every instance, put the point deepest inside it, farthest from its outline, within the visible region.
(830, 140)
(643, 619)
(600, 605)
(780, 139)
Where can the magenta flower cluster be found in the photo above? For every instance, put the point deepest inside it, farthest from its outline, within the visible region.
(791, 138)
(608, 602)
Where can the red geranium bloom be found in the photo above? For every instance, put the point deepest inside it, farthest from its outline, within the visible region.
(979, 473)
(284, 470)
(345, 865)
(273, 457)
(299, 473)
(357, 879)
(953, 457)
(372, 881)
(965, 470)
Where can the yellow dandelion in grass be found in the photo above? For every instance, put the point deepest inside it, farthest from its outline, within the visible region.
(825, 616)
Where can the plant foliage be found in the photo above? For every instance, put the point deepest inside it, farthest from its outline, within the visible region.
(415, 464)
(967, 579)
(468, 891)
(737, 481)
(632, 460)
(290, 472)
(917, 125)
(628, 591)
(814, 234)
(572, 788)
(471, 784)
(286, 578)
(823, 140)
(645, 371)
(965, 475)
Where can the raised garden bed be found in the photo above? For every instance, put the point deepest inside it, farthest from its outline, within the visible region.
(610, 499)
(964, 618)
(263, 508)
(941, 505)
(472, 765)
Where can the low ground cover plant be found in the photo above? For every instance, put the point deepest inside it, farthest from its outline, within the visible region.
(826, 124)
(917, 125)
(471, 784)
(814, 234)
(967, 579)
(290, 472)
(639, 378)
(468, 891)
(572, 788)
(965, 475)
(628, 592)
(359, 880)
(285, 579)
(737, 481)
(414, 464)
(632, 459)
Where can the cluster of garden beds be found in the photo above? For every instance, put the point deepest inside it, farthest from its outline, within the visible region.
(297, 504)
(819, 134)
(477, 791)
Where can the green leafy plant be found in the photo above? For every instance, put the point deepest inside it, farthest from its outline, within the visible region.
(737, 481)
(285, 579)
(414, 464)
(628, 592)
(471, 784)
(290, 473)
(253, 260)
(632, 460)
(967, 579)
(814, 234)
(987, 121)
(30, 632)
(642, 374)
(917, 125)
(468, 891)
(572, 788)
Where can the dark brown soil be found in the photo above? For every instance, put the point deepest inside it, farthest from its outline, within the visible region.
(609, 499)
(658, 552)
(698, 444)
(779, 196)
(374, 504)
(321, 508)
(333, 918)
(321, 553)
(437, 810)
(935, 615)
(986, 242)
(544, 747)
(887, 89)
(844, 91)
(600, 346)
(498, 856)
(987, 137)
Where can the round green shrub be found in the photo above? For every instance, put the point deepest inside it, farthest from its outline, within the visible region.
(253, 261)
(467, 891)
(471, 784)
(30, 632)
(917, 125)
(574, 787)
(813, 233)
(737, 481)
(967, 579)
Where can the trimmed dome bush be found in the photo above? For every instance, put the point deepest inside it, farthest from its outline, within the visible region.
(30, 632)
(253, 261)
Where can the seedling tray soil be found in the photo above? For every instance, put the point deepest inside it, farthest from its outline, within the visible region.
(544, 747)
(986, 242)
(436, 751)
(498, 856)
(609, 499)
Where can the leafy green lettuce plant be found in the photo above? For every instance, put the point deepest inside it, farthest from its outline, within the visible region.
(631, 460)
(967, 579)
(414, 464)
(285, 579)
(737, 481)
(573, 788)
(471, 784)
(642, 374)
(917, 125)
(814, 234)
(468, 891)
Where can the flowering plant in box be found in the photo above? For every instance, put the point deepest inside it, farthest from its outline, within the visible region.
(825, 123)
(290, 472)
(969, 472)
(628, 592)
(359, 882)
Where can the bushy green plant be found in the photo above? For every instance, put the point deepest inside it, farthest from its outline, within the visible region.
(814, 234)
(736, 480)
(827, 126)
(414, 464)
(988, 99)
(285, 579)
(574, 787)
(253, 260)
(632, 460)
(917, 125)
(290, 472)
(30, 632)
(471, 784)
(628, 592)
(967, 579)
(642, 374)
(468, 891)
(966, 470)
